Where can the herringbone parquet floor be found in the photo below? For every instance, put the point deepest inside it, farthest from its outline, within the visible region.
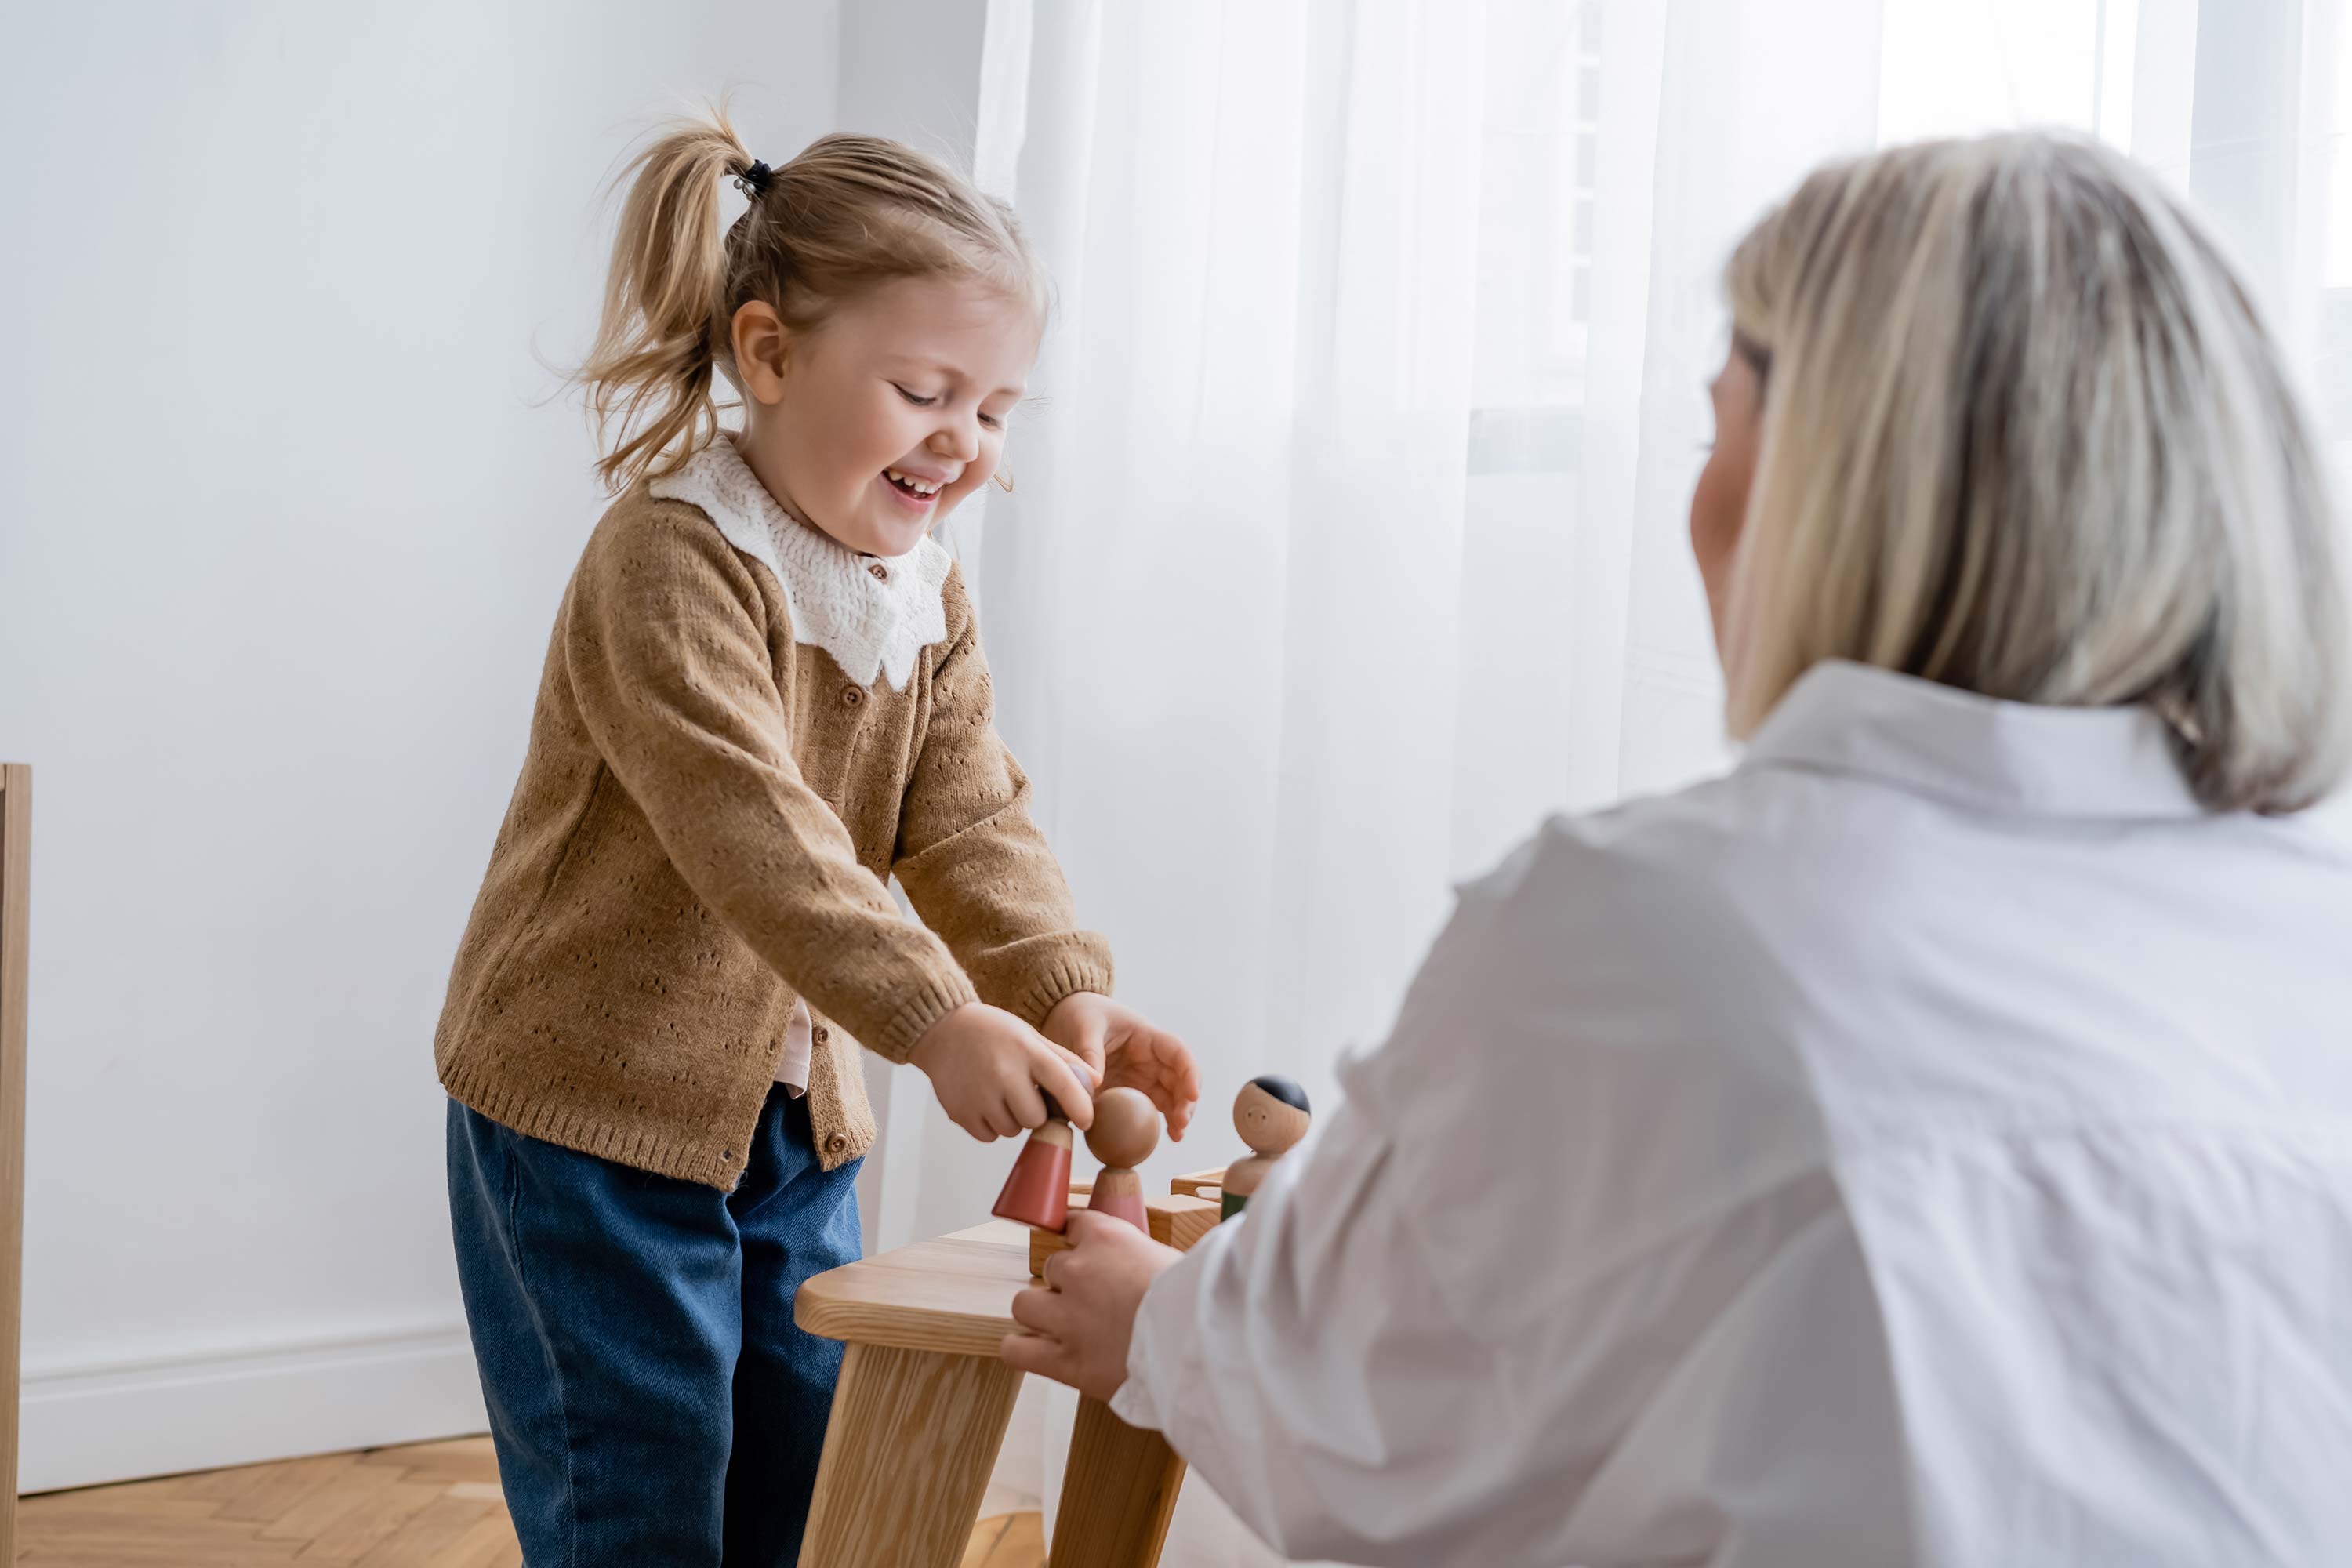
(433, 1505)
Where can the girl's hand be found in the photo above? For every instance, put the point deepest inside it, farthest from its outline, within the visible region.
(1127, 1052)
(1075, 1327)
(992, 1073)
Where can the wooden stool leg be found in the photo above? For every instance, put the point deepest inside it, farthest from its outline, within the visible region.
(913, 1436)
(1117, 1494)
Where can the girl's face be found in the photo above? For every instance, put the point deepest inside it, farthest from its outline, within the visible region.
(874, 425)
(1718, 508)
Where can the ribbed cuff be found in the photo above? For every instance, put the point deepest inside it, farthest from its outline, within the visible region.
(896, 1039)
(1086, 966)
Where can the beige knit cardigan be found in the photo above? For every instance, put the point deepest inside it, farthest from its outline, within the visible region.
(707, 819)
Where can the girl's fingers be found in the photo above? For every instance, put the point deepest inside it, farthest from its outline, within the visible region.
(1025, 1104)
(1176, 1061)
(1165, 1087)
(1084, 1067)
(1092, 1044)
(1050, 1070)
(1157, 1054)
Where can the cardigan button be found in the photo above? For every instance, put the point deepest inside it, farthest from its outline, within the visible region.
(822, 1034)
(852, 696)
(836, 1144)
(881, 572)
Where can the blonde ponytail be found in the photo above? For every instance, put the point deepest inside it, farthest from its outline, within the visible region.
(648, 375)
(849, 213)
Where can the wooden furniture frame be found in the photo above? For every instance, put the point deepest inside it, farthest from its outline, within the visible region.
(15, 913)
(922, 1408)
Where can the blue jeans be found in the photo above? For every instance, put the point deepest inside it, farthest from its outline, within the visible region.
(652, 1403)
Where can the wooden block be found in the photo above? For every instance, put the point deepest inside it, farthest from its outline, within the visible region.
(1176, 1222)
(1180, 1221)
(1044, 1243)
(1190, 1187)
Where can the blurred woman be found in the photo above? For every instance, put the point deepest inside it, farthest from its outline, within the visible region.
(1933, 1141)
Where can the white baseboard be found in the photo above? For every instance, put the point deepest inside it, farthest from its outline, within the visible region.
(87, 1426)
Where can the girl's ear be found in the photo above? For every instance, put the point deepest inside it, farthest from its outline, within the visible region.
(762, 343)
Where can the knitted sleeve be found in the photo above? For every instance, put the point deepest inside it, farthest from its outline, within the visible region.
(665, 651)
(973, 863)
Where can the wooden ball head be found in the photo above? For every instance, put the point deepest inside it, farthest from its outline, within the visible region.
(1271, 1115)
(1126, 1132)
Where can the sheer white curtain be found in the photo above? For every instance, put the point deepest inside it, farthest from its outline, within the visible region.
(1348, 536)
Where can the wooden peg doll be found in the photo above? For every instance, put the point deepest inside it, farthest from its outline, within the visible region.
(1039, 1190)
(1126, 1132)
(1271, 1115)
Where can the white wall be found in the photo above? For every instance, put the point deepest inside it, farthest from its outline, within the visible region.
(285, 506)
(924, 1176)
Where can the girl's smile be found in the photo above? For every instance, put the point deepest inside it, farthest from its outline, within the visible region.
(876, 424)
(915, 488)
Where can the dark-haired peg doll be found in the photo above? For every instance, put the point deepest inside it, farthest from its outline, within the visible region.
(1271, 1115)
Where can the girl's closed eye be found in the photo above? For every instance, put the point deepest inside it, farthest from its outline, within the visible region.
(993, 421)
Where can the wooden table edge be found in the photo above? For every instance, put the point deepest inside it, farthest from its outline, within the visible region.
(822, 1308)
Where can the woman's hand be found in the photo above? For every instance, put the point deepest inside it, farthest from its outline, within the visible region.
(1075, 1327)
(992, 1072)
(1127, 1052)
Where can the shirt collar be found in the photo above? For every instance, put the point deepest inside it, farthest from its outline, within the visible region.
(2115, 763)
(873, 615)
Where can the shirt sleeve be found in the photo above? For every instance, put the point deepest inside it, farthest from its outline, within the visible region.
(1302, 1360)
(666, 649)
(971, 858)
(1446, 1314)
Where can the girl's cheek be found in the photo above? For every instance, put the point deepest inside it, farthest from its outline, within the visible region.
(962, 487)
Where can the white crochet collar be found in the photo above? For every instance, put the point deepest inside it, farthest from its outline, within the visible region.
(868, 623)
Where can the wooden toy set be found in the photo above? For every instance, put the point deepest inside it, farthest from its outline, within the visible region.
(924, 1396)
(1270, 1113)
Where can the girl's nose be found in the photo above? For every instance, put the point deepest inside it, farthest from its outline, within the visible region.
(959, 440)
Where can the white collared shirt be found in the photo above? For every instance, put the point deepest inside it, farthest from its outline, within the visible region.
(1930, 1144)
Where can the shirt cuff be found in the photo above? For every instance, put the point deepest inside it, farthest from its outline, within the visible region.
(1151, 1346)
(1134, 1399)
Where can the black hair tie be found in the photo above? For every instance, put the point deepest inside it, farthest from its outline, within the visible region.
(754, 181)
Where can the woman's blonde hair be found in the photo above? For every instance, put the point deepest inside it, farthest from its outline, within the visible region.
(849, 213)
(2024, 435)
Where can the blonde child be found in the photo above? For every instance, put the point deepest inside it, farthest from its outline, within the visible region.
(765, 697)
